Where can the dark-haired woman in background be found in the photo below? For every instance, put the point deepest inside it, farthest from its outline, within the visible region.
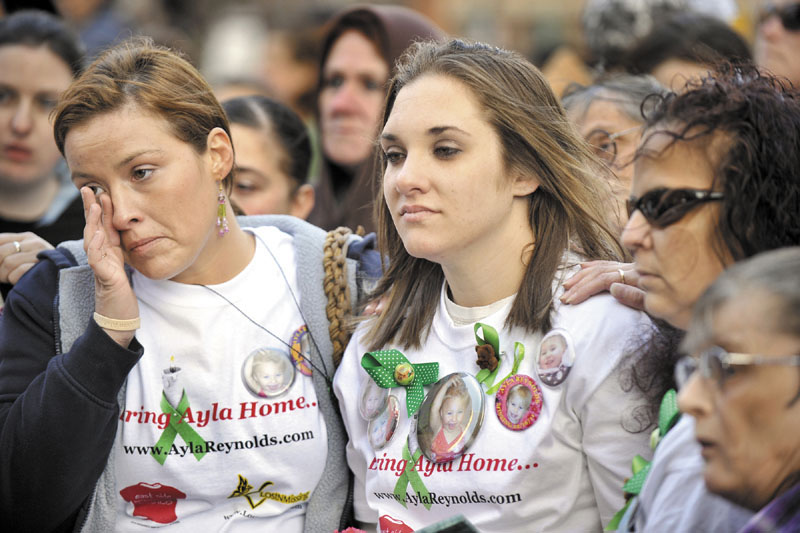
(39, 207)
(273, 153)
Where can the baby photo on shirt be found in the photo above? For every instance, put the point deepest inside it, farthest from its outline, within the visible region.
(268, 372)
(555, 359)
(450, 417)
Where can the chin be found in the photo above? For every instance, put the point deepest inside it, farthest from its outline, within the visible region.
(666, 309)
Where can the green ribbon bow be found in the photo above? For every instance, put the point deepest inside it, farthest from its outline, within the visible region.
(668, 415)
(491, 338)
(176, 427)
(519, 355)
(382, 366)
(411, 476)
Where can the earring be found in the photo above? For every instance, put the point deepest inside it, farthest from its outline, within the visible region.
(222, 219)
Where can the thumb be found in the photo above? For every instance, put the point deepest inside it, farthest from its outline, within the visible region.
(627, 295)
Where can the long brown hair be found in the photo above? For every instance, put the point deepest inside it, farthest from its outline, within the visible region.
(569, 210)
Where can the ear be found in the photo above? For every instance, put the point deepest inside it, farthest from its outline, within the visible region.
(302, 201)
(220, 153)
(524, 184)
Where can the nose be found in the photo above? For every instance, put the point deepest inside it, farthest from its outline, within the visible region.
(22, 120)
(126, 209)
(636, 233)
(694, 398)
(771, 27)
(345, 99)
(409, 178)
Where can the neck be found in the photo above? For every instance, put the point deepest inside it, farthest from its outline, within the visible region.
(29, 202)
(224, 258)
(477, 277)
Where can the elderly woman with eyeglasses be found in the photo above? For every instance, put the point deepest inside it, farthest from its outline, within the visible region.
(608, 114)
(715, 182)
(745, 399)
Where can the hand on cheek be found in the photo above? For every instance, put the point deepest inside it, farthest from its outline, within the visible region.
(114, 297)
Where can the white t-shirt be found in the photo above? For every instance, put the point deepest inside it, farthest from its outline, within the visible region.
(241, 458)
(562, 473)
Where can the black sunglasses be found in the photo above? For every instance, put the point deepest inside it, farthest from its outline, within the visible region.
(662, 207)
(789, 15)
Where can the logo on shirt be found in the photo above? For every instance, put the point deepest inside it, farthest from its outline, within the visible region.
(256, 497)
(154, 502)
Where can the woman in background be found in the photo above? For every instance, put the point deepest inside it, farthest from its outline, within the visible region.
(358, 57)
(273, 154)
(39, 207)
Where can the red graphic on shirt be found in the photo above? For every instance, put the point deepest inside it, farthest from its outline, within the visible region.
(393, 525)
(155, 502)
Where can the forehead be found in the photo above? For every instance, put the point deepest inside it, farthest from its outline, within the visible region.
(352, 51)
(116, 132)
(35, 67)
(678, 164)
(435, 100)
(604, 113)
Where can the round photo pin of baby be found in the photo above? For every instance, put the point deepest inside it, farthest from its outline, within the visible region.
(381, 429)
(518, 402)
(373, 399)
(450, 417)
(268, 372)
(556, 357)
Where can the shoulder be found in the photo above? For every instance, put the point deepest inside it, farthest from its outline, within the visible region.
(31, 302)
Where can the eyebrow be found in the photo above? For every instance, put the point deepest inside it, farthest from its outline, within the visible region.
(125, 161)
(436, 130)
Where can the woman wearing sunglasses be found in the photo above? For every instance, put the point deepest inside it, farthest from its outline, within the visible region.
(745, 399)
(715, 181)
(778, 39)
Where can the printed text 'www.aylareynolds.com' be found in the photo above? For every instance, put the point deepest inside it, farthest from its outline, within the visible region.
(466, 498)
(210, 446)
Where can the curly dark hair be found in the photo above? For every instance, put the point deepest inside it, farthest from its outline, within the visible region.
(758, 170)
(757, 167)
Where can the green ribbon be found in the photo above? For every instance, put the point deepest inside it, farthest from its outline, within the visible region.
(519, 355)
(491, 338)
(668, 412)
(381, 367)
(668, 415)
(411, 476)
(176, 427)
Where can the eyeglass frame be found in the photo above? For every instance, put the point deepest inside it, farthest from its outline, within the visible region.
(701, 196)
(686, 366)
(783, 14)
(612, 137)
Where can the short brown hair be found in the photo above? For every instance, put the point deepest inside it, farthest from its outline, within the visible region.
(154, 78)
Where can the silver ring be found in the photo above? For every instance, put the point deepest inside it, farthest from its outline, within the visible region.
(17, 247)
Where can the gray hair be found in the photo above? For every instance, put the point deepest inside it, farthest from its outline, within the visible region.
(776, 273)
(627, 91)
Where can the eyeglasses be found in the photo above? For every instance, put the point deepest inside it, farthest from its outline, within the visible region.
(717, 365)
(788, 14)
(662, 207)
(604, 144)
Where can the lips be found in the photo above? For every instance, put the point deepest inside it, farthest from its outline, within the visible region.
(415, 212)
(142, 245)
(19, 153)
